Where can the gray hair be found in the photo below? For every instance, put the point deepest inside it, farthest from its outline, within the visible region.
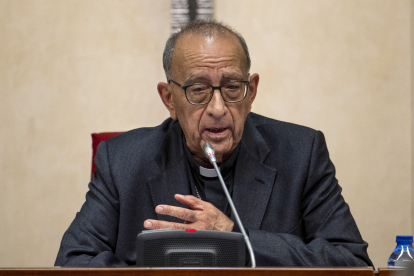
(204, 28)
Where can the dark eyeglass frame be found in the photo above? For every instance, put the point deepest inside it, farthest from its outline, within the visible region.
(184, 87)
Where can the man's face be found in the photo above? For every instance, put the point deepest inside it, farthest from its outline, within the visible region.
(214, 61)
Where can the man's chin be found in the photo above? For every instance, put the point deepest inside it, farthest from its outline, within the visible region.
(221, 152)
(221, 148)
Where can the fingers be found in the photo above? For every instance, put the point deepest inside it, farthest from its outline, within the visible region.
(160, 224)
(191, 201)
(178, 212)
(204, 216)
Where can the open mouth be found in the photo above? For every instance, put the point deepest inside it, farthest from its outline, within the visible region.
(216, 130)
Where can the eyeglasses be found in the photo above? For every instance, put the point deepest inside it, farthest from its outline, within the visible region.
(199, 94)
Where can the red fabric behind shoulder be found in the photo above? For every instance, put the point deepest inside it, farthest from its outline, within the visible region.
(96, 139)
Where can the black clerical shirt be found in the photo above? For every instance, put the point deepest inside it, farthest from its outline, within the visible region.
(209, 188)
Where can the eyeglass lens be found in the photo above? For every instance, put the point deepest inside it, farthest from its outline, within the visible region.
(231, 92)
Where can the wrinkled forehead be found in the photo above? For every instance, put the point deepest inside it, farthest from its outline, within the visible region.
(220, 45)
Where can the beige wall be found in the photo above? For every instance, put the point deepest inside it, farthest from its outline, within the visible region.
(69, 68)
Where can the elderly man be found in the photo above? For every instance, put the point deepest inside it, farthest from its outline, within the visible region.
(279, 174)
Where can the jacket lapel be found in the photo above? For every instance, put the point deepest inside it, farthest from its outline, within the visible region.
(253, 180)
(171, 177)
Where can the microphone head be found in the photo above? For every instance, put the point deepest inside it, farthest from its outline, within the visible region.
(209, 152)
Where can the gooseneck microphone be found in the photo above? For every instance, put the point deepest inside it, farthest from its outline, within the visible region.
(210, 154)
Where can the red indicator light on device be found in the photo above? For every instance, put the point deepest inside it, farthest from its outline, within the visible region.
(190, 230)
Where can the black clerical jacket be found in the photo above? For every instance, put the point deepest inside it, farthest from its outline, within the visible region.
(285, 191)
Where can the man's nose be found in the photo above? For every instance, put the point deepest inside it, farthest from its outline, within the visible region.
(217, 106)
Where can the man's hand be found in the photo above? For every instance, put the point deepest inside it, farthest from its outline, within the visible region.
(204, 216)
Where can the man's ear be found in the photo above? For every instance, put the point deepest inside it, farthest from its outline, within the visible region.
(165, 92)
(254, 83)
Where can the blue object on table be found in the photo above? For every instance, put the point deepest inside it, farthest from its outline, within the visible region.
(403, 254)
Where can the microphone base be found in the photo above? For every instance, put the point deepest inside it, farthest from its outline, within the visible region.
(190, 248)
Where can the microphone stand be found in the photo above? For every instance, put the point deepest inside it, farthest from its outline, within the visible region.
(210, 153)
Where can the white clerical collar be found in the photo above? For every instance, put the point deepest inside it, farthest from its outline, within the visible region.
(208, 172)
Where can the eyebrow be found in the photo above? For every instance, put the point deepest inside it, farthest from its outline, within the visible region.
(231, 76)
(225, 77)
(194, 78)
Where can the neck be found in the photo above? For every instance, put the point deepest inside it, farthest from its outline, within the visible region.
(204, 162)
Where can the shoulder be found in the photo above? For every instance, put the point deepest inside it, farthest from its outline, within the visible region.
(275, 130)
(288, 144)
(142, 141)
